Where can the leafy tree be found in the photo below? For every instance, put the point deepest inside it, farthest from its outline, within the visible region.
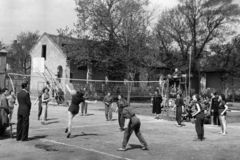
(1, 45)
(115, 37)
(192, 26)
(19, 57)
(225, 60)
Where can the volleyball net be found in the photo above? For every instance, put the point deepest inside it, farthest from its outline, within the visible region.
(97, 89)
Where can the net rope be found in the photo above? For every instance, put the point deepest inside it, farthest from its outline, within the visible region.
(142, 90)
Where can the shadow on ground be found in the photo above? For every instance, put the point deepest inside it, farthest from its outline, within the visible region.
(84, 134)
(53, 122)
(49, 119)
(46, 147)
(37, 137)
(134, 146)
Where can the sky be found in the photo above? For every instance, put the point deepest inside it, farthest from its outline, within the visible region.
(18, 16)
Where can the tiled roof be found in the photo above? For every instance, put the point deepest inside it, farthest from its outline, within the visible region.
(60, 40)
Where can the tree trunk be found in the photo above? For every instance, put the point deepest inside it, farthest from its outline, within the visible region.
(199, 80)
(143, 77)
(129, 92)
(167, 99)
(233, 92)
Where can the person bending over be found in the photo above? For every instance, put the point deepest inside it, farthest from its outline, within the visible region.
(133, 125)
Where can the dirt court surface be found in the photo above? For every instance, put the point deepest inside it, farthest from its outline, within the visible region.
(94, 138)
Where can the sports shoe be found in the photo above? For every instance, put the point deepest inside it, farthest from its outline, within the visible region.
(68, 135)
(122, 129)
(223, 134)
(197, 139)
(121, 149)
(145, 148)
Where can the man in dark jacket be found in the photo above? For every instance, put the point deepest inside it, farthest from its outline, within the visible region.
(24, 108)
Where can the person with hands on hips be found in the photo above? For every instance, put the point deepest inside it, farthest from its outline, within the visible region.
(222, 111)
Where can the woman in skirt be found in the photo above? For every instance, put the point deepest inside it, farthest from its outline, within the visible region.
(45, 99)
(156, 103)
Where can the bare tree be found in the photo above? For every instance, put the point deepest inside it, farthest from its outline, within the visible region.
(19, 53)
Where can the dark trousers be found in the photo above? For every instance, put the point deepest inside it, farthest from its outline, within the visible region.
(39, 109)
(108, 111)
(121, 119)
(179, 114)
(216, 120)
(176, 82)
(2, 131)
(22, 127)
(199, 125)
(128, 132)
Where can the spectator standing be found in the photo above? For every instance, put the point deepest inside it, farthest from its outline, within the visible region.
(45, 99)
(222, 111)
(84, 105)
(24, 102)
(156, 103)
(214, 109)
(108, 100)
(179, 105)
(199, 116)
(4, 112)
(11, 102)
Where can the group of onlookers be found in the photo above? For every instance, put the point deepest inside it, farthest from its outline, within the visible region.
(199, 108)
(219, 111)
(7, 102)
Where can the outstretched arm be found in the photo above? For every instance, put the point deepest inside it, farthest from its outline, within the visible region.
(72, 92)
(225, 110)
(87, 101)
(36, 101)
(174, 107)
